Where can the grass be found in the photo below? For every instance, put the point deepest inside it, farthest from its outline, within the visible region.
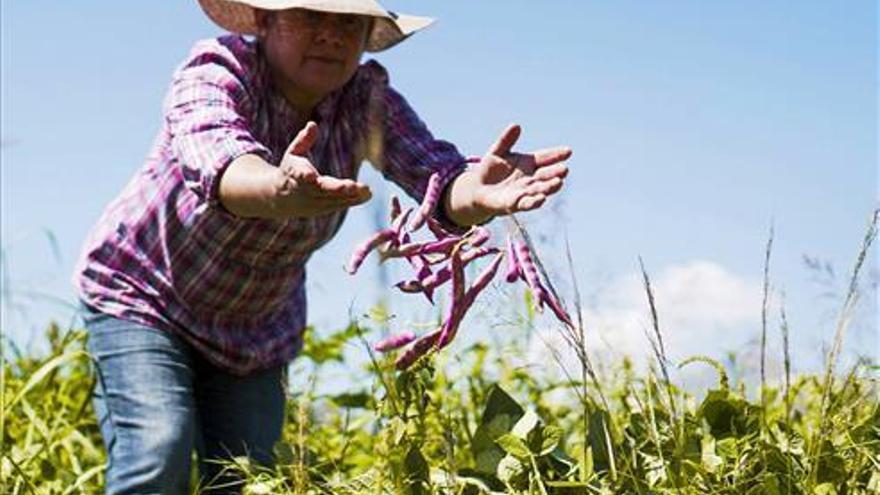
(473, 422)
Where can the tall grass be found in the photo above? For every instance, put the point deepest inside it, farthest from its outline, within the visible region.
(469, 421)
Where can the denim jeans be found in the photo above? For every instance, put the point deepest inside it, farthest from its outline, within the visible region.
(157, 399)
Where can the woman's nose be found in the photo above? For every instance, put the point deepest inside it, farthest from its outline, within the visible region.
(329, 32)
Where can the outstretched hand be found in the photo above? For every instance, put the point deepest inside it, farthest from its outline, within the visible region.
(508, 182)
(304, 191)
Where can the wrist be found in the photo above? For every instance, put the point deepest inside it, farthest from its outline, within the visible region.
(461, 201)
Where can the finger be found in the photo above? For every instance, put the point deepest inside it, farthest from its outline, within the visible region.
(546, 187)
(304, 173)
(549, 156)
(506, 141)
(527, 203)
(551, 171)
(304, 140)
(336, 202)
(345, 187)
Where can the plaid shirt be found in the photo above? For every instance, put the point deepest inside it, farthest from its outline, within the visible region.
(165, 253)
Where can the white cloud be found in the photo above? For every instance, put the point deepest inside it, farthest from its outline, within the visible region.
(703, 308)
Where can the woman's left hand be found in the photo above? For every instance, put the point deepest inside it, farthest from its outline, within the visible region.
(506, 181)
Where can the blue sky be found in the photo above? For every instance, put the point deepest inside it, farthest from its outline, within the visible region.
(693, 124)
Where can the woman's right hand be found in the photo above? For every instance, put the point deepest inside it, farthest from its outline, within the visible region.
(251, 187)
(301, 190)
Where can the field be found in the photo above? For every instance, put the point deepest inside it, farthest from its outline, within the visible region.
(472, 422)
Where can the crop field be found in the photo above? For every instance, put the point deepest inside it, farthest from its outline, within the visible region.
(470, 421)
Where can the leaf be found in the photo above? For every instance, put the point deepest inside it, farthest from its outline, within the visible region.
(512, 471)
(566, 484)
(831, 466)
(599, 438)
(358, 400)
(417, 471)
(526, 425)
(379, 314)
(499, 402)
(396, 430)
(726, 414)
(825, 489)
(41, 373)
(529, 305)
(514, 446)
(499, 416)
(710, 461)
(551, 437)
(330, 348)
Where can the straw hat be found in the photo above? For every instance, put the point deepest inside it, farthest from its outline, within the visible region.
(389, 29)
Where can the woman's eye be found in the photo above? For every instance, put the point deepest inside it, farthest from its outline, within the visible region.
(352, 21)
(313, 18)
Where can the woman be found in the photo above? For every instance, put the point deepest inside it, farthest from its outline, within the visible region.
(193, 279)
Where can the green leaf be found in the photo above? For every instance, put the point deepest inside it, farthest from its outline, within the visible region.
(417, 471)
(710, 461)
(499, 416)
(726, 413)
(529, 305)
(514, 446)
(600, 440)
(831, 466)
(499, 402)
(527, 424)
(358, 400)
(379, 314)
(330, 348)
(566, 484)
(41, 373)
(512, 471)
(551, 438)
(825, 489)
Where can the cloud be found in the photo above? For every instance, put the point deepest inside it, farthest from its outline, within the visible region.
(703, 308)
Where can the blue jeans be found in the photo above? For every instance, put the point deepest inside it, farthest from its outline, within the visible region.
(156, 399)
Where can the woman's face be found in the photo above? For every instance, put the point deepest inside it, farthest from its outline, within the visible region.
(312, 53)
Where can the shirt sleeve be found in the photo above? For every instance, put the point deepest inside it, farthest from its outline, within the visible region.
(402, 148)
(209, 112)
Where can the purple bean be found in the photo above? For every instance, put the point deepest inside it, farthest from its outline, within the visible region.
(394, 342)
(399, 221)
(438, 230)
(443, 275)
(418, 349)
(394, 209)
(429, 202)
(467, 257)
(557, 309)
(482, 281)
(363, 249)
(530, 273)
(409, 286)
(422, 248)
(513, 270)
(423, 284)
(452, 318)
(479, 236)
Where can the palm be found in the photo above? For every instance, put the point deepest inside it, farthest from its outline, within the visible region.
(309, 193)
(510, 182)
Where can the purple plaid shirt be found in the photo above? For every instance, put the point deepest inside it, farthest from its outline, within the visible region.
(165, 253)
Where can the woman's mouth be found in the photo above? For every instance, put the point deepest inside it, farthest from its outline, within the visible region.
(324, 59)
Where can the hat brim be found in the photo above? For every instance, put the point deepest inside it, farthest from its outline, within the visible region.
(389, 28)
